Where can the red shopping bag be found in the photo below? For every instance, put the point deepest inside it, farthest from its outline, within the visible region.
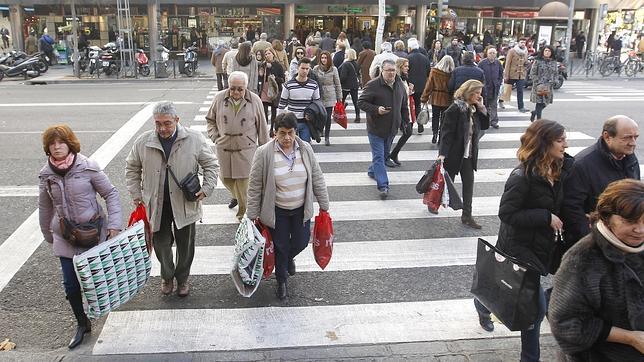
(412, 109)
(434, 195)
(323, 239)
(140, 214)
(340, 115)
(269, 249)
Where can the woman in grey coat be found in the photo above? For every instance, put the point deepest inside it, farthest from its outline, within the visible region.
(330, 88)
(68, 186)
(245, 62)
(544, 74)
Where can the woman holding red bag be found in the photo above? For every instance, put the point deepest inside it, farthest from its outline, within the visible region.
(285, 177)
(459, 146)
(330, 88)
(402, 69)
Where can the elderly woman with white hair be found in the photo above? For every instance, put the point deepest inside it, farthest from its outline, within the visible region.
(386, 54)
(237, 126)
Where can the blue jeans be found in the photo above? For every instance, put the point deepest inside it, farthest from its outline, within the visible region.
(290, 236)
(303, 131)
(70, 281)
(379, 152)
(520, 83)
(530, 351)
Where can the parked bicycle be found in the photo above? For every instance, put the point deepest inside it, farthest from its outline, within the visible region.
(633, 64)
(612, 64)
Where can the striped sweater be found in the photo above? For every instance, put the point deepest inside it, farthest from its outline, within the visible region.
(290, 179)
(297, 96)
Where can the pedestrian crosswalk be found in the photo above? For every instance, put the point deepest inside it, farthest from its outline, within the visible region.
(600, 91)
(398, 273)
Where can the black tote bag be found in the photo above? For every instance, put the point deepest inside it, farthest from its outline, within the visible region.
(423, 184)
(506, 287)
(455, 201)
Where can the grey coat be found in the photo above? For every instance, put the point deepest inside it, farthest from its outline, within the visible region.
(80, 185)
(146, 169)
(543, 72)
(330, 86)
(262, 189)
(597, 287)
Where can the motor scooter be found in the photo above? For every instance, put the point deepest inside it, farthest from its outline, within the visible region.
(94, 58)
(190, 61)
(110, 62)
(143, 66)
(28, 68)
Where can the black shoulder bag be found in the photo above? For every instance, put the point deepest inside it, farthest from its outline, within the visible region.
(190, 184)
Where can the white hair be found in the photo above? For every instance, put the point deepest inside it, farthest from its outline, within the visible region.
(165, 107)
(412, 43)
(238, 75)
(263, 36)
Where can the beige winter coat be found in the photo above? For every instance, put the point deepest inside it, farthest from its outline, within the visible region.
(146, 168)
(236, 136)
(262, 189)
(515, 65)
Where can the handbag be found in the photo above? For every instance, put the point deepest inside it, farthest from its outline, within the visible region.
(557, 252)
(273, 88)
(80, 235)
(434, 195)
(506, 287)
(423, 184)
(113, 272)
(424, 116)
(543, 90)
(190, 184)
(455, 201)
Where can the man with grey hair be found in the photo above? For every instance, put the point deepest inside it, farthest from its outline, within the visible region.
(158, 159)
(610, 159)
(237, 126)
(261, 44)
(385, 102)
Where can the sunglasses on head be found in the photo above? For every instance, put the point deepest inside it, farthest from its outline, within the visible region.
(237, 89)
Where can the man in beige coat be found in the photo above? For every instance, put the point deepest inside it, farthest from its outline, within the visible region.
(172, 217)
(515, 70)
(237, 126)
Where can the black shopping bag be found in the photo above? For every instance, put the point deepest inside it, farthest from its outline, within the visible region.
(455, 201)
(423, 184)
(506, 287)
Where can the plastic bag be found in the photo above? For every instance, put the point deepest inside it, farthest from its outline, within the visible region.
(412, 109)
(340, 115)
(141, 214)
(433, 196)
(269, 249)
(323, 239)
(248, 258)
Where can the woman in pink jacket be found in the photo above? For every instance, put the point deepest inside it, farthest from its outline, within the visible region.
(68, 185)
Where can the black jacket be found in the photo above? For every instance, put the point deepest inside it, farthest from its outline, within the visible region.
(526, 209)
(462, 74)
(454, 134)
(593, 170)
(419, 68)
(349, 75)
(493, 75)
(315, 118)
(439, 56)
(377, 93)
(338, 58)
(455, 52)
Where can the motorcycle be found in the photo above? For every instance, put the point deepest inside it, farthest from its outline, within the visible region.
(94, 58)
(143, 66)
(165, 65)
(190, 62)
(82, 58)
(110, 62)
(16, 57)
(28, 68)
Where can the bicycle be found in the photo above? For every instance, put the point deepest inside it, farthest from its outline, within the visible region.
(612, 64)
(593, 59)
(633, 64)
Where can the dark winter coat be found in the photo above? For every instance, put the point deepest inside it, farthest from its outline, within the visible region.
(493, 73)
(462, 74)
(419, 68)
(349, 75)
(338, 58)
(377, 93)
(316, 118)
(439, 55)
(526, 209)
(455, 52)
(597, 287)
(454, 134)
(593, 170)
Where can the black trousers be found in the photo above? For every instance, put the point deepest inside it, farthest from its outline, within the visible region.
(437, 112)
(406, 133)
(270, 120)
(467, 178)
(354, 99)
(222, 81)
(538, 109)
(327, 124)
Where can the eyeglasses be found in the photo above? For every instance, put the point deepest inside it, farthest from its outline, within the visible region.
(299, 53)
(237, 89)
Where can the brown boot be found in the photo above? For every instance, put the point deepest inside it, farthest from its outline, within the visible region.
(469, 221)
(167, 286)
(183, 289)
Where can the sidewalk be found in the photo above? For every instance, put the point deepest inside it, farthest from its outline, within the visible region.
(477, 350)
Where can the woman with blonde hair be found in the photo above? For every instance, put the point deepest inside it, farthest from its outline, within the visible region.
(436, 92)
(68, 185)
(463, 121)
(402, 70)
(350, 80)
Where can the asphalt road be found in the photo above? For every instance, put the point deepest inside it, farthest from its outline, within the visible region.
(35, 314)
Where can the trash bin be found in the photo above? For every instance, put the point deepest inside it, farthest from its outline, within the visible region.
(181, 62)
(160, 70)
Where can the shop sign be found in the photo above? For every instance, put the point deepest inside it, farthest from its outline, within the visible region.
(337, 9)
(545, 33)
(301, 9)
(356, 10)
(519, 14)
(269, 11)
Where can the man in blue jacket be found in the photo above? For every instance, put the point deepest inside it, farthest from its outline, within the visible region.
(464, 73)
(493, 73)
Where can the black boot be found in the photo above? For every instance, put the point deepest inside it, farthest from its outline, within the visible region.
(291, 267)
(282, 293)
(533, 115)
(435, 138)
(84, 325)
(421, 128)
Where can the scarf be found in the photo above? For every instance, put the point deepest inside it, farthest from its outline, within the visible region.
(520, 51)
(605, 231)
(61, 167)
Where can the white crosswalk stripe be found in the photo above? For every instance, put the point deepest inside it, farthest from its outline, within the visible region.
(364, 243)
(602, 92)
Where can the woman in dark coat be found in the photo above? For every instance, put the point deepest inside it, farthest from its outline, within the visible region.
(459, 146)
(596, 310)
(350, 80)
(436, 53)
(272, 68)
(529, 210)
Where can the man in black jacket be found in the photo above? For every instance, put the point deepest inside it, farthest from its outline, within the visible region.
(385, 102)
(455, 50)
(419, 68)
(612, 158)
(464, 73)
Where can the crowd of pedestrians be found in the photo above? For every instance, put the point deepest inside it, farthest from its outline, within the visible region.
(266, 162)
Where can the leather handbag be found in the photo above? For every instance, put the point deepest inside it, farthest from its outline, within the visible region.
(423, 184)
(273, 88)
(80, 235)
(543, 90)
(189, 185)
(506, 286)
